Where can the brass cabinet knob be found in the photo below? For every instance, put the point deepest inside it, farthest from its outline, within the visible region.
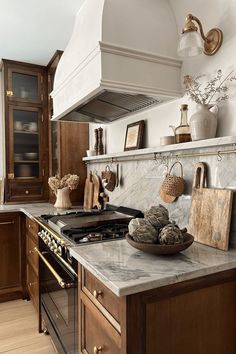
(9, 93)
(27, 192)
(30, 284)
(30, 251)
(97, 350)
(97, 293)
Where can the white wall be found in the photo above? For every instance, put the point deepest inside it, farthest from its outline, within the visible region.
(212, 13)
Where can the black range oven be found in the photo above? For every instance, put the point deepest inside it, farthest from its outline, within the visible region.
(58, 271)
(58, 289)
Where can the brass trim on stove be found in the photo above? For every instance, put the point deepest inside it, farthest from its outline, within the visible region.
(59, 279)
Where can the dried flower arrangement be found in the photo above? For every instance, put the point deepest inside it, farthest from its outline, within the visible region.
(70, 181)
(215, 87)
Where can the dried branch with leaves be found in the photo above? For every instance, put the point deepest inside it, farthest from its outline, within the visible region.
(70, 181)
(215, 88)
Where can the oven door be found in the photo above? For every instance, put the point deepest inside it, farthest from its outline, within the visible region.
(58, 289)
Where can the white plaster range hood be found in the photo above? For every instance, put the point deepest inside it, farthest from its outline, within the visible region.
(121, 59)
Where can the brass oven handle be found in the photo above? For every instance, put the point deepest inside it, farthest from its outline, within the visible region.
(60, 281)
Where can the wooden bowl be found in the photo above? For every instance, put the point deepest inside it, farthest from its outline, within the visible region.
(161, 249)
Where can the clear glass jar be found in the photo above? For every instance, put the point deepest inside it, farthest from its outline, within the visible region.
(182, 132)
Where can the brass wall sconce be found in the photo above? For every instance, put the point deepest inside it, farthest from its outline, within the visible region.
(192, 43)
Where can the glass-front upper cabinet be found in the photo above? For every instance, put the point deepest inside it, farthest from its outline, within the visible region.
(25, 154)
(26, 128)
(24, 85)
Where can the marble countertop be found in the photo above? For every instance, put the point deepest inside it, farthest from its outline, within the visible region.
(33, 209)
(125, 270)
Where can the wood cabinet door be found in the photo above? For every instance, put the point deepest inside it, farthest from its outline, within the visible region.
(10, 256)
(24, 85)
(98, 336)
(26, 160)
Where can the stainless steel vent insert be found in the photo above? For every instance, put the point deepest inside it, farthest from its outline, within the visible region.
(109, 106)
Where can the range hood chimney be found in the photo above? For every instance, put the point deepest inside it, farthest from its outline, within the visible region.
(120, 60)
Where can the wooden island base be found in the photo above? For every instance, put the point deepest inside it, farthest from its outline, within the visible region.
(192, 317)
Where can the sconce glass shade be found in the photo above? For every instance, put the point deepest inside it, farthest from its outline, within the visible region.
(190, 44)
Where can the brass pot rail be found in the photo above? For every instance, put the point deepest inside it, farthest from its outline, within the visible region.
(164, 156)
(59, 279)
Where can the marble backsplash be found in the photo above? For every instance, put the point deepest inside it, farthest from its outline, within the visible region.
(140, 182)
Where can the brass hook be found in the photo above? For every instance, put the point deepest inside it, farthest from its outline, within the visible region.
(219, 156)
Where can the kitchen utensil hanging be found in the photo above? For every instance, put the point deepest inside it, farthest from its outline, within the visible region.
(172, 186)
(109, 179)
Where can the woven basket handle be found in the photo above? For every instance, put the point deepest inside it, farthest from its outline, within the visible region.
(181, 166)
(199, 178)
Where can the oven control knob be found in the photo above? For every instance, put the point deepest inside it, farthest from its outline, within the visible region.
(59, 251)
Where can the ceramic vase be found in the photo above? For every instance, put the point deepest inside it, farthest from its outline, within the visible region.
(203, 123)
(63, 199)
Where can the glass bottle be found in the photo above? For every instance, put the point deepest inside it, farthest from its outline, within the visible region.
(182, 132)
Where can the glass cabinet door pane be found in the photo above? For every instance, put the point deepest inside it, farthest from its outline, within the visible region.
(26, 143)
(25, 86)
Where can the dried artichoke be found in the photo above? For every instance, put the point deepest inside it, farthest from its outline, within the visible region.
(170, 235)
(142, 231)
(158, 216)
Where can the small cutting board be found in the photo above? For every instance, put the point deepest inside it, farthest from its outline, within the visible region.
(210, 213)
(96, 192)
(88, 192)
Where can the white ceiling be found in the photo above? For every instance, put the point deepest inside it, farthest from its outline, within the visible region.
(32, 30)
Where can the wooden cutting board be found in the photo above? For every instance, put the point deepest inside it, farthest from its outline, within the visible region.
(88, 192)
(96, 191)
(210, 213)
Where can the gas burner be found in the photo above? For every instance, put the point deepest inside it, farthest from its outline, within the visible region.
(103, 232)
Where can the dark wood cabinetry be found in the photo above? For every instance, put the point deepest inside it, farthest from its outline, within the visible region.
(32, 261)
(68, 142)
(12, 259)
(26, 126)
(195, 316)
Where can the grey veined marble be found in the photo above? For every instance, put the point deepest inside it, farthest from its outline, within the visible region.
(140, 183)
(125, 271)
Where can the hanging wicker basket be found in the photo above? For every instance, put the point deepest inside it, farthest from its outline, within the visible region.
(173, 185)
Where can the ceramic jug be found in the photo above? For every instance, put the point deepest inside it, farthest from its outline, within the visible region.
(203, 123)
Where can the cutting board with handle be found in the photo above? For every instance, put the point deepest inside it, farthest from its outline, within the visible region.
(96, 192)
(88, 192)
(210, 213)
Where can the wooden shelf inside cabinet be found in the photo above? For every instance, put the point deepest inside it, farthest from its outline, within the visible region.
(26, 161)
(23, 132)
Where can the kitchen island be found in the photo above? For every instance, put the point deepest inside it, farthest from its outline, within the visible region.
(135, 303)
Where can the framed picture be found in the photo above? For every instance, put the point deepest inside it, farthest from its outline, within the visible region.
(134, 136)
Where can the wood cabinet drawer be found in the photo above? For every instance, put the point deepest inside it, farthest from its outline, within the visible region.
(32, 227)
(98, 336)
(32, 256)
(33, 286)
(26, 190)
(98, 292)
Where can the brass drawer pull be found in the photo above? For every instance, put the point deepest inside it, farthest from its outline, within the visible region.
(97, 350)
(27, 192)
(30, 251)
(97, 293)
(7, 223)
